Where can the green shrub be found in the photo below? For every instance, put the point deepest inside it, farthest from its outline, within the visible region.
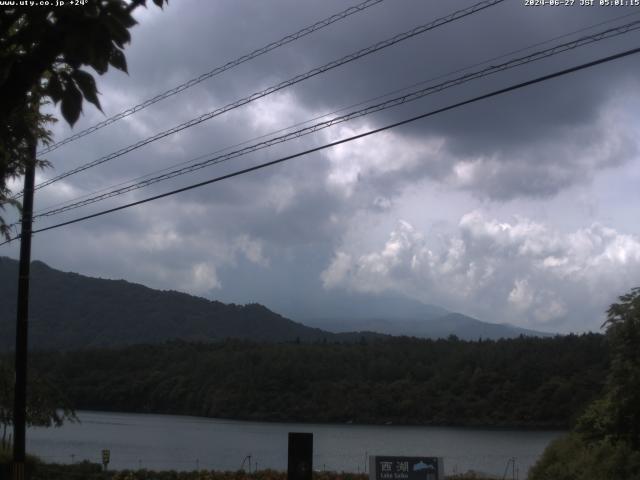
(572, 458)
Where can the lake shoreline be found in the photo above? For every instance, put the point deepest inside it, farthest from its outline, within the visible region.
(463, 426)
(40, 470)
(187, 443)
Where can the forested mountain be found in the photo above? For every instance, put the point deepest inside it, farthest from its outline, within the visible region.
(526, 382)
(70, 311)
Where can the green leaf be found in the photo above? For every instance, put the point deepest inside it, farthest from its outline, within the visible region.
(121, 15)
(88, 87)
(54, 88)
(118, 60)
(5, 68)
(77, 45)
(101, 48)
(91, 10)
(119, 33)
(100, 64)
(71, 103)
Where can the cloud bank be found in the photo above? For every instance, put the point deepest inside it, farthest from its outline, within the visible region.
(518, 271)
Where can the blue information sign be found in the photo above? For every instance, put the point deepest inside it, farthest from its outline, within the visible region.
(406, 468)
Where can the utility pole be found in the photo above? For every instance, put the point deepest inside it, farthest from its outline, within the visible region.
(22, 321)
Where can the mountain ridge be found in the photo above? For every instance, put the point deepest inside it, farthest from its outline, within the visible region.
(69, 311)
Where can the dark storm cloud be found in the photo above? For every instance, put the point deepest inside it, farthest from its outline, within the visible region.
(283, 226)
(197, 36)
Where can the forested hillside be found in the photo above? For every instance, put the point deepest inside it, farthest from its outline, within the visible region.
(531, 382)
(70, 311)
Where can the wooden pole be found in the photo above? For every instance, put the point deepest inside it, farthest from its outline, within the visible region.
(22, 321)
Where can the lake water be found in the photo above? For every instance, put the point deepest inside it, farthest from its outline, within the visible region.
(161, 442)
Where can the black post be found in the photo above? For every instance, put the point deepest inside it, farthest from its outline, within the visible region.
(22, 321)
(300, 461)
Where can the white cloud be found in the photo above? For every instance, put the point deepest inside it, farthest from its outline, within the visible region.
(281, 193)
(203, 279)
(536, 149)
(337, 271)
(550, 311)
(517, 271)
(521, 296)
(267, 114)
(251, 249)
(376, 156)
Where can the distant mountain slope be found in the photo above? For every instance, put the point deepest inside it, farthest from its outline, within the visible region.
(395, 314)
(362, 306)
(70, 311)
(435, 326)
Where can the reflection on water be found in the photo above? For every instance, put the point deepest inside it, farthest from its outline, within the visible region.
(162, 442)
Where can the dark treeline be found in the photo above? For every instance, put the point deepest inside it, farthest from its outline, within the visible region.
(524, 382)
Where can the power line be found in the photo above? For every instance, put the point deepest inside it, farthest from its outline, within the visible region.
(536, 56)
(216, 71)
(43, 211)
(348, 139)
(298, 78)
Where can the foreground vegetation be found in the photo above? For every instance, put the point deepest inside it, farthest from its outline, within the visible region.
(573, 458)
(605, 442)
(40, 470)
(590, 381)
(525, 382)
(93, 471)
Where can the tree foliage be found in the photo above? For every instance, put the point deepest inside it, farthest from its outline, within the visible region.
(606, 441)
(616, 415)
(532, 382)
(47, 405)
(44, 53)
(623, 384)
(22, 126)
(572, 458)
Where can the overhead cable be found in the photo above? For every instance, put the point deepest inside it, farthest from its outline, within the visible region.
(341, 109)
(393, 102)
(494, 93)
(457, 15)
(216, 71)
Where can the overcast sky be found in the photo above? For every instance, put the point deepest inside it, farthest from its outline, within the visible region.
(521, 208)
